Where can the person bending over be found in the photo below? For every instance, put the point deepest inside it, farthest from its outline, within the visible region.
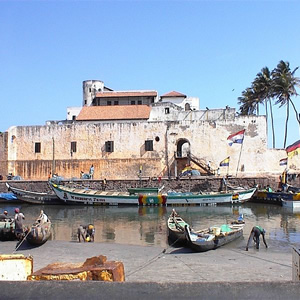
(255, 234)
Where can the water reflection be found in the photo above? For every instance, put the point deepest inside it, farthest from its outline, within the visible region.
(147, 225)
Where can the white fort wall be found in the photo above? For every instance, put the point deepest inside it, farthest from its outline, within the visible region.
(208, 140)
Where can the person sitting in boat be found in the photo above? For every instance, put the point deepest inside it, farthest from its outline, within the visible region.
(4, 216)
(86, 233)
(255, 234)
(19, 227)
(43, 218)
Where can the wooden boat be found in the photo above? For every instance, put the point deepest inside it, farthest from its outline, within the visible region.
(213, 198)
(7, 230)
(175, 225)
(97, 197)
(262, 196)
(33, 197)
(39, 233)
(212, 238)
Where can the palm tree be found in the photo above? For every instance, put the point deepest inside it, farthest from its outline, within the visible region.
(263, 89)
(247, 102)
(284, 87)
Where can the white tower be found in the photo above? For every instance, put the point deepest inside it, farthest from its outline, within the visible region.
(90, 88)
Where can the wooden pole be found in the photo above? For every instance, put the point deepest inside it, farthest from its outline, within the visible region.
(239, 158)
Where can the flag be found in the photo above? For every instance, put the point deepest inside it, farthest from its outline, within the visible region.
(293, 149)
(225, 162)
(283, 161)
(236, 137)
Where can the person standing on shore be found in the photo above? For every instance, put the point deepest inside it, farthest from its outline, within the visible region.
(92, 172)
(255, 233)
(19, 228)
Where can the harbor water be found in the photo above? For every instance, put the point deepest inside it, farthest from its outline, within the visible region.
(146, 226)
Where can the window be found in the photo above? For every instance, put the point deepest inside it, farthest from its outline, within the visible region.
(140, 102)
(73, 147)
(116, 102)
(73, 118)
(37, 148)
(167, 110)
(108, 102)
(109, 146)
(132, 102)
(85, 102)
(149, 145)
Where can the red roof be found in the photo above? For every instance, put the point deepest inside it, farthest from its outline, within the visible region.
(126, 94)
(173, 94)
(114, 112)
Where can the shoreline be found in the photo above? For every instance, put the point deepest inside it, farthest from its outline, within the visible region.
(151, 264)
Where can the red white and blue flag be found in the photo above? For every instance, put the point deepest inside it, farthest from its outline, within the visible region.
(236, 137)
(283, 161)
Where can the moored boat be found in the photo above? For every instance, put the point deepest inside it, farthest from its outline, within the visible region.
(212, 198)
(86, 196)
(33, 197)
(213, 237)
(7, 230)
(175, 226)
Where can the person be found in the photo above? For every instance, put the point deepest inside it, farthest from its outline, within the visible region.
(269, 189)
(86, 233)
(4, 216)
(91, 172)
(255, 233)
(43, 218)
(104, 184)
(19, 228)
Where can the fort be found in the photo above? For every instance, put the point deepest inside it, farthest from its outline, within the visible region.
(132, 134)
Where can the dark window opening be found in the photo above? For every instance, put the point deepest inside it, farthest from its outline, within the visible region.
(73, 147)
(109, 146)
(167, 110)
(132, 102)
(73, 118)
(108, 102)
(85, 101)
(37, 148)
(149, 145)
(157, 139)
(116, 102)
(140, 102)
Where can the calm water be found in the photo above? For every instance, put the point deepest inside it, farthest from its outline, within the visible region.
(147, 225)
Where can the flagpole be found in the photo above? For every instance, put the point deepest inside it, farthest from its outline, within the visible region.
(239, 158)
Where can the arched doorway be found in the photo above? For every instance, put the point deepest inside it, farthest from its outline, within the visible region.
(183, 148)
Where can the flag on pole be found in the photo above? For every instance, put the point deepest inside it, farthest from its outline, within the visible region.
(283, 161)
(225, 162)
(236, 137)
(293, 149)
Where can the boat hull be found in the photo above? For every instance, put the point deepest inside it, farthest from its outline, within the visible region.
(95, 197)
(33, 197)
(201, 245)
(39, 234)
(7, 230)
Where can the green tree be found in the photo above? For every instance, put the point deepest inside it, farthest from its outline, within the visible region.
(247, 103)
(263, 89)
(284, 85)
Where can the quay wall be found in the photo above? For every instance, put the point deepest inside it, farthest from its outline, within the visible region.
(179, 185)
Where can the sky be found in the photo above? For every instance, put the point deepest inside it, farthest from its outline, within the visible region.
(206, 49)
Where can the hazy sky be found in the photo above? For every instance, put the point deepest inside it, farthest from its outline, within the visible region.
(207, 49)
